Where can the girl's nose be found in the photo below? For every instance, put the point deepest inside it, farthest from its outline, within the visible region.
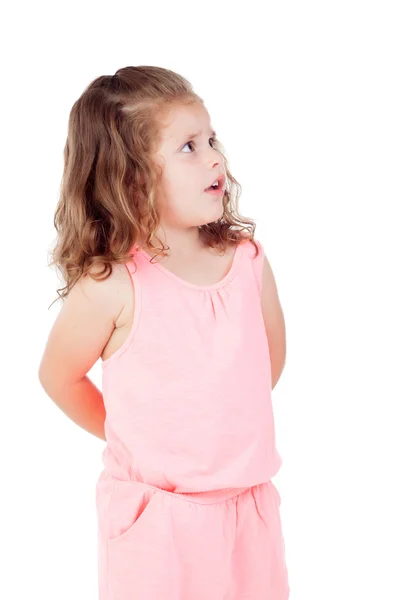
(215, 159)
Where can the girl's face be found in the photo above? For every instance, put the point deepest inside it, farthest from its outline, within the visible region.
(189, 165)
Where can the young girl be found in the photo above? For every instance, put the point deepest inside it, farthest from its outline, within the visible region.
(192, 338)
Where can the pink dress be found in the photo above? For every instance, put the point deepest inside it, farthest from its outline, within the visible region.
(186, 506)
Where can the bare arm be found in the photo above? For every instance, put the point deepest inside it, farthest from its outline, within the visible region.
(274, 323)
(83, 403)
(76, 341)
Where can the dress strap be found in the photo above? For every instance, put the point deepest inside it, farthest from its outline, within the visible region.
(257, 262)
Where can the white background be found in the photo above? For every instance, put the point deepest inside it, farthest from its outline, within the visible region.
(305, 98)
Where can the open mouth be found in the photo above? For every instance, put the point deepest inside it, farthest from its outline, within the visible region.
(218, 185)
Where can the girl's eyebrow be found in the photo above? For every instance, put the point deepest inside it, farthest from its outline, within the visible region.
(194, 135)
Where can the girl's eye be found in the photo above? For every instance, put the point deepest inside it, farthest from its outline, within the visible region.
(213, 139)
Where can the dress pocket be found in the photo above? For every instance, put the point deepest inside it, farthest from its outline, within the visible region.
(129, 507)
(136, 543)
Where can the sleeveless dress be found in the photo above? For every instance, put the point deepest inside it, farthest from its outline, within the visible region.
(186, 508)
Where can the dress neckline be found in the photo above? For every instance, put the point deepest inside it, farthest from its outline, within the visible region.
(227, 278)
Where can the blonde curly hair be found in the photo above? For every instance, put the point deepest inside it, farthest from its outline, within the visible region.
(107, 201)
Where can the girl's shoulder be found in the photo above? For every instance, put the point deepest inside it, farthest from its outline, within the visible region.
(83, 327)
(117, 293)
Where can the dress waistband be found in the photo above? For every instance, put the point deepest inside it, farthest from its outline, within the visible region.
(203, 497)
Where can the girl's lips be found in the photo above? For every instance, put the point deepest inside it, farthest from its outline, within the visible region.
(217, 192)
(221, 182)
